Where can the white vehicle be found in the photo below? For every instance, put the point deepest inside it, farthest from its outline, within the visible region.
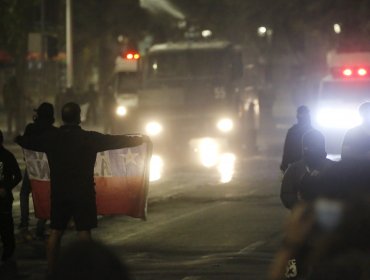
(340, 95)
(191, 102)
(126, 81)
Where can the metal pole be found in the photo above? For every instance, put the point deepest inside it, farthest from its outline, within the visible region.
(69, 43)
(43, 50)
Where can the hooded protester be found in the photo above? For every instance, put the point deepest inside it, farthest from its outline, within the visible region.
(42, 122)
(312, 164)
(293, 141)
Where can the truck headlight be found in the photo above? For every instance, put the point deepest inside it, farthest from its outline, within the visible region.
(121, 111)
(156, 168)
(208, 152)
(225, 125)
(338, 118)
(153, 128)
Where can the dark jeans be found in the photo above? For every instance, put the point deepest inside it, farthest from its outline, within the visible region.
(24, 203)
(7, 234)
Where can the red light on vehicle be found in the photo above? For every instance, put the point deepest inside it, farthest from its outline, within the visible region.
(362, 72)
(132, 55)
(347, 72)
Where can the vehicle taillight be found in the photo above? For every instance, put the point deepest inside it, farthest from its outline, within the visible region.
(350, 72)
(347, 72)
(362, 72)
(131, 56)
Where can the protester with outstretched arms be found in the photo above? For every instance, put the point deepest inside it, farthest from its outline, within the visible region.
(71, 153)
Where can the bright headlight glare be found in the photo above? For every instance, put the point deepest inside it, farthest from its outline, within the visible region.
(225, 125)
(208, 152)
(156, 168)
(226, 167)
(153, 128)
(338, 118)
(121, 111)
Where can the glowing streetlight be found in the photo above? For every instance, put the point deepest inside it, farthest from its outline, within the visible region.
(206, 33)
(337, 28)
(261, 31)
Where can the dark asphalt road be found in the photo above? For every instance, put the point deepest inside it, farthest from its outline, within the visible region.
(197, 228)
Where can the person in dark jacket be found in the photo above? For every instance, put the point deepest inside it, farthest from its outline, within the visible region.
(71, 153)
(293, 141)
(10, 176)
(356, 142)
(42, 122)
(313, 163)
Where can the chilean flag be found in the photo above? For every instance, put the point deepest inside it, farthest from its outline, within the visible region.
(121, 181)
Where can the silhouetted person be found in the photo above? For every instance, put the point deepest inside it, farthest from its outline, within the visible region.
(10, 176)
(293, 140)
(331, 237)
(89, 260)
(71, 153)
(356, 142)
(312, 164)
(42, 121)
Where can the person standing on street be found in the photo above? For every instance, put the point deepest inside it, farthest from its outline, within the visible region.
(71, 153)
(293, 141)
(312, 164)
(10, 176)
(356, 142)
(42, 121)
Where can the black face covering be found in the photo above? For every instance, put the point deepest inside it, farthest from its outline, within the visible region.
(313, 158)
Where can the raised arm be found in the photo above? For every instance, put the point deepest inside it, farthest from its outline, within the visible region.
(38, 143)
(103, 142)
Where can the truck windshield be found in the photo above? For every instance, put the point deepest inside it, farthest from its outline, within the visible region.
(127, 82)
(182, 65)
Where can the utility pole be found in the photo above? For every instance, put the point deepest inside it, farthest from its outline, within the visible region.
(43, 50)
(69, 44)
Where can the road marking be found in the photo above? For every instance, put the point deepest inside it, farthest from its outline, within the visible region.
(168, 221)
(251, 247)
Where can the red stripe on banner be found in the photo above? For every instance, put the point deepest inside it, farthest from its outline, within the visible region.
(114, 195)
(118, 195)
(41, 198)
(121, 195)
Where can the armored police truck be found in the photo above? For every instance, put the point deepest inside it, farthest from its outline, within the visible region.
(192, 102)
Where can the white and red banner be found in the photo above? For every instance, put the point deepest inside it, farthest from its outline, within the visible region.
(121, 181)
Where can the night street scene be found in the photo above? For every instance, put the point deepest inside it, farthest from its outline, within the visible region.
(185, 139)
